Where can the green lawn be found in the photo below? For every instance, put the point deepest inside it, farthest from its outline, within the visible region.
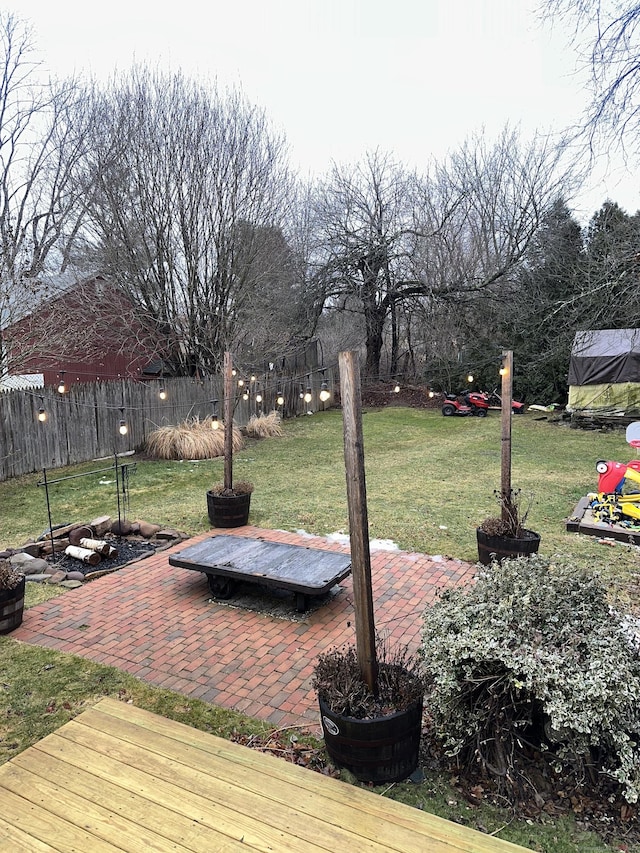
(430, 480)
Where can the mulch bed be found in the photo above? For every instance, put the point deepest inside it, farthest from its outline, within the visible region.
(411, 396)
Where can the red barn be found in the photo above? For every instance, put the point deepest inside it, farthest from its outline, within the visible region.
(88, 332)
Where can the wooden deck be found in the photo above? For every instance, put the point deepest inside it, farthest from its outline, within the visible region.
(117, 778)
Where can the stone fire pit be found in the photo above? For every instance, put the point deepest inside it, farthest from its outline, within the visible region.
(46, 561)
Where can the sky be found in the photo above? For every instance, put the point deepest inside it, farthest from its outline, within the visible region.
(341, 78)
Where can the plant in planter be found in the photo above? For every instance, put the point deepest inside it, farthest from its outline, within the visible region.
(507, 535)
(370, 699)
(12, 583)
(374, 735)
(229, 506)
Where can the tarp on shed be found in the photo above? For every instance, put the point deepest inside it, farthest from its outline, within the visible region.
(604, 371)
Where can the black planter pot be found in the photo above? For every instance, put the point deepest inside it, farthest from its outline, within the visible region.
(228, 510)
(499, 548)
(379, 750)
(11, 607)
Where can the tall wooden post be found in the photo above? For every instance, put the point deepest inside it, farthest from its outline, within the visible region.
(228, 420)
(358, 519)
(506, 392)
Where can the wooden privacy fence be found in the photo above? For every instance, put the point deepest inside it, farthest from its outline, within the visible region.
(83, 423)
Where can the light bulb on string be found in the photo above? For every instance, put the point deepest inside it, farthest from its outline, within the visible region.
(308, 394)
(470, 377)
(301, 395)
(215, 420)
(245, 395)
(280, 398)
(432, 394)
(123, 429)
(42, 414)
(258, 397)
(162, 394)
(240, 383)
(503, 370)
(324, 389)
(253, 377)
(61, 386)
(396, 389)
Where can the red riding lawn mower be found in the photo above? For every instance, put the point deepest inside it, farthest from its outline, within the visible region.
(466, 403)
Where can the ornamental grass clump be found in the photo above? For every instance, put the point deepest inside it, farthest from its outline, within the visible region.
(265, 426)
(532, 662)
(190, 439)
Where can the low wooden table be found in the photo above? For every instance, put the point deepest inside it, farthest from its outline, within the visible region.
(227, 560)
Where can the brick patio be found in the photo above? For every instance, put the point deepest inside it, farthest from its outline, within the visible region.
(158, 623)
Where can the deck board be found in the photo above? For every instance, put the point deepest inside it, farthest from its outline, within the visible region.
(117, 778)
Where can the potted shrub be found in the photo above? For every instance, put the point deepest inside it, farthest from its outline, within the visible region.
(376, 736)
(12, 583)
(229, 507)
(507, 535)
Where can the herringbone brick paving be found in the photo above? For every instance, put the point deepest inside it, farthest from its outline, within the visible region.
(158, 622)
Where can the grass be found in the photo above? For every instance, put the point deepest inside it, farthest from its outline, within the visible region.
(430, 481)
(193, 439)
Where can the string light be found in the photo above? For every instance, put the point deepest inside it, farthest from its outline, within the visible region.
(306, 393)
(432, 394)
(470, 378)
(215, 421)
(396, 390)
(324, 390)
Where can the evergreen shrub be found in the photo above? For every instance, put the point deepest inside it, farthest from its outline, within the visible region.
(531, 660)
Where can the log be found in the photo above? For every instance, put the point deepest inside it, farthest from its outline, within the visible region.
(47, 548)
(97, 545)
(92, 558)
(80, 531)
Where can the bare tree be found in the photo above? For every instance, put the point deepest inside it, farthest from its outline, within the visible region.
(42, 142)
(608, 34)
(365, 218)
(192, 185)
(398, 244)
